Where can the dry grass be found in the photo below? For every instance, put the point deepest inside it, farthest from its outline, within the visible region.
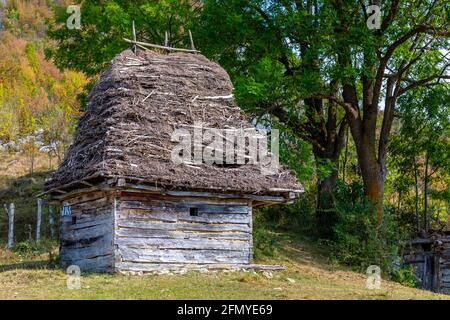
(308, 276)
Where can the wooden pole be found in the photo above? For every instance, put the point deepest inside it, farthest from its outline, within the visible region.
(134, 38)
(166, 39)
(10, 225)
(192, 40)
(39, 220)
(159, 47)
(51, 223)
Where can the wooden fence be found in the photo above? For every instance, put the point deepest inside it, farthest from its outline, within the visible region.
(10, 213)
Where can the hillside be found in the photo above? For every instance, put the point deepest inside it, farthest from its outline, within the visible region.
(25, 275)
(31, 272)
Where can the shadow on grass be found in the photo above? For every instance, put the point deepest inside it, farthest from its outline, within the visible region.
(288, 246)
(27, 265)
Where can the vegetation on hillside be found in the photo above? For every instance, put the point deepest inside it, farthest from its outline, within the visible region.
(32, 273)
(363, 116)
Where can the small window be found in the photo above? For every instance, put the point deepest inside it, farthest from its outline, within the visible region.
(74, 219)
(193, 212)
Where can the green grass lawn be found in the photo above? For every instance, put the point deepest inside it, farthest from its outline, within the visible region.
(308, 276)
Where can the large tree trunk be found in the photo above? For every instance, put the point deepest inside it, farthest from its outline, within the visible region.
(373, 174)
(326, 215)
(374, 189)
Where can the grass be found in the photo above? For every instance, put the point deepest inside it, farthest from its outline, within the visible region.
(309, 275)
(31, 272)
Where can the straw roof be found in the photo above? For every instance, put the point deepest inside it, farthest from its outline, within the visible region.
(132, 112)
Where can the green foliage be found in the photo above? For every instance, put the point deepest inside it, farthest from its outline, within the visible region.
(28, 248)
(405, 276)
(357, 241)
(264, 243)
(104, 24)
(298, 217)
(424, 130)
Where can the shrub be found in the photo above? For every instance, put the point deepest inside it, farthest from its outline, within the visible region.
(26, 248)
(405, 276)
(357, 241)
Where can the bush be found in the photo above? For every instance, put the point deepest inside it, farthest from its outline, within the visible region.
(27, 248)
(405, 276)
(264, 241)
(357, 241)
(298, 217)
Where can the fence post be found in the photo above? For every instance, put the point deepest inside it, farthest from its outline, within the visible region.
(50, 221)
(39, 220)
(10, 225)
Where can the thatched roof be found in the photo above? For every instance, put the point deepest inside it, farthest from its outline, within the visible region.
(134, 108)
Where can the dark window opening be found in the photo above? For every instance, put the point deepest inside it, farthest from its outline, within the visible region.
(193, 212)
(74, 219)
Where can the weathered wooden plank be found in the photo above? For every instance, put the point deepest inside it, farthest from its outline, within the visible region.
(97, 203)
(192, 226)
(250, 259)
(159, 215)
(96, 264)
(80, 224)
(87, 197)
(154, 267)
(127, 196)
(195, 244)
(183, 206)
(176, 234)
(185, 256)
(87, 252)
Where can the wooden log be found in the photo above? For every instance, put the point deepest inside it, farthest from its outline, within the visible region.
(151, 45)
(160, 215)
(94, 264)
(181, 226)
(134, 38)
(182, 256)
(184, 205)
(175, 234)
(10, 212)
(194, 244)
(51, 222)
(166, 39)
(191, 41)
(155, 267)
(38, 220)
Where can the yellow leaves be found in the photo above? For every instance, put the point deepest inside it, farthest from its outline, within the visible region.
(34, 94)
(6, 125)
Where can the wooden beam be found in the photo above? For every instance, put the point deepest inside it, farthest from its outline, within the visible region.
(151, 45)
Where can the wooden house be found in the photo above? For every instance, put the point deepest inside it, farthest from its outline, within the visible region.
(430, 258)
(126, 206)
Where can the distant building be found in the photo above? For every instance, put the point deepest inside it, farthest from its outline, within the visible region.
(430, 258)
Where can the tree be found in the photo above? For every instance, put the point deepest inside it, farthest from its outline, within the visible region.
(272, 51)
(406, 52)
(104, 24)
(421, 149)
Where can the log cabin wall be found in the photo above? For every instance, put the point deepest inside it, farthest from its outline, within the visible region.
(86, 234)
(431, 261)
(444, 266)
(155, 232)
